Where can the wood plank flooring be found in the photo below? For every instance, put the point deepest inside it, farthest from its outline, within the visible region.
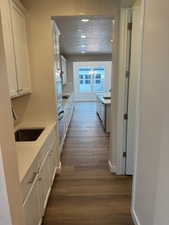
(86, 193)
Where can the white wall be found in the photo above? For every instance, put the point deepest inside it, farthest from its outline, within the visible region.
(151, 186)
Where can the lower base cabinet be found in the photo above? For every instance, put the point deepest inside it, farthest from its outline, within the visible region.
(52, 164)
(44, 184)
(68, 108)
(104, 112)
(32, 205)
(41, 182)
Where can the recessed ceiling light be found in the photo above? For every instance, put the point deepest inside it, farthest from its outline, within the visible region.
(83, 36)
(83, 46)
(83, 52)
(85, 20)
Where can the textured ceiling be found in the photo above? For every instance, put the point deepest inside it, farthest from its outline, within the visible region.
(98, 33)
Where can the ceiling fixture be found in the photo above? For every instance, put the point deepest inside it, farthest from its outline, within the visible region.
(83, 46)
(111, 40)
(85, 20)
(83, 36)
(83, 52)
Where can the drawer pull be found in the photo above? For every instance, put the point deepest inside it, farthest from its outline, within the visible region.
(40, 179)
(33, 178)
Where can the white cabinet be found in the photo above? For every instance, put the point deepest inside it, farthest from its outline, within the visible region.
(53, 163)
(68, 109)
(104, 113)
(36, 185)
(64, 69)
(32, 205)
(9, 47)
(56, 46)
(101, 110)
(68, 105)
(16, 48)
(44, 182)
(21, 49)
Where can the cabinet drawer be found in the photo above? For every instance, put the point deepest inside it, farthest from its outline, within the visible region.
(29, 179)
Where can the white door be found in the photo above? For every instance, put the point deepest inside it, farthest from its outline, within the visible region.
(133, 99)
(91, 78)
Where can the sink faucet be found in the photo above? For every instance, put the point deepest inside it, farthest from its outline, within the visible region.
(14, 113)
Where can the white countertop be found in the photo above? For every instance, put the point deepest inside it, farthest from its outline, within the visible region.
(27, 151)
(103, 100)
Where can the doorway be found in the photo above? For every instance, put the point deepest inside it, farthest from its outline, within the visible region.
(90, 79)
(85, 175)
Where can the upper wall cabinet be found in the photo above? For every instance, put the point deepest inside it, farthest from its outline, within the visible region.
(13, 17)
(8, 44)
(64, 69)
(21, 48)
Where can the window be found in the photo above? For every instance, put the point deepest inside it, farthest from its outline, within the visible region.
(91, 79)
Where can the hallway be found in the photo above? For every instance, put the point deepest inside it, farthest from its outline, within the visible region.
(86, 193)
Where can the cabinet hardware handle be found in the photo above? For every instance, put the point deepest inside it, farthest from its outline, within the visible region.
(40, 179)
(33, 178)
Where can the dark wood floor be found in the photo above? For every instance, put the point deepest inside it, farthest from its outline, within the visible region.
(86, 193)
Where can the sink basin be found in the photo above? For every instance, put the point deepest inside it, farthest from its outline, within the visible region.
(107, 97)
(28, 134)
(65, 96)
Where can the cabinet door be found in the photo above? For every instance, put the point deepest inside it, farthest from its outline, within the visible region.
(44, 184)
(52, 163)
(102, 112)
(21, 49)
(64, 69)
(9, 48)
(32, 206)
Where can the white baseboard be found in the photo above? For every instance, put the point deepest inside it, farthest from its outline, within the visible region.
(134, 217)
(111, 167)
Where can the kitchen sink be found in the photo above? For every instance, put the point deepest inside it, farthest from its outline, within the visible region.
(28, 134)
(65, 96)
(107, 97)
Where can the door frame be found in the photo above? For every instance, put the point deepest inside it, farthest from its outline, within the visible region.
(125, 18)
(142, 18)
(92, 96)
(120, 159)
(134, 91)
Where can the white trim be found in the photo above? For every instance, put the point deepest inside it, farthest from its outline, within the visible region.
(138, 117)
(134, 217)
(123, 66)
(112, 168)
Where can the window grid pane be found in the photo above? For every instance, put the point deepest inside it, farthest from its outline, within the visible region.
(91, 79)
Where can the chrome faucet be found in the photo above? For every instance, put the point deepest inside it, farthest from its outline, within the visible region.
(14, 113)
